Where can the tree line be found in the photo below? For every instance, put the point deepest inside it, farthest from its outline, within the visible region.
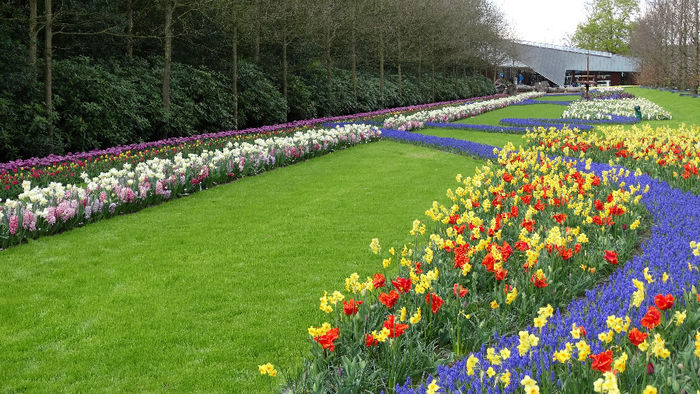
(665, 38)
(667, 42)
(83, 74)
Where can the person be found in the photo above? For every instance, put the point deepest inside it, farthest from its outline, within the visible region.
(520, 78)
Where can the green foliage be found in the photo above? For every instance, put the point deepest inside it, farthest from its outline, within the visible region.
(22, 115)
(259, 100)
(608, 26)
(301, 100)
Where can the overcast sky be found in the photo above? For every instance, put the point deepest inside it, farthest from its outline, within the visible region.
(545, 21)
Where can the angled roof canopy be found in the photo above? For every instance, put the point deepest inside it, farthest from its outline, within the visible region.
(552, 61)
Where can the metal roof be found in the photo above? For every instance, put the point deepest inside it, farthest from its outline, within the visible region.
(552, 61)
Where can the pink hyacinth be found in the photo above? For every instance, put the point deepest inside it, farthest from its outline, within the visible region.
(14, 224)
(29, 220)
(51, 216)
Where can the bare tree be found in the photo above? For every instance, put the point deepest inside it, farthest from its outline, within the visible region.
(666, 42)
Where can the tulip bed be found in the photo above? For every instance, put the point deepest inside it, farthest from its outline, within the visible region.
(57, 207)
(671, 154)
(636, 332)
(519, 235)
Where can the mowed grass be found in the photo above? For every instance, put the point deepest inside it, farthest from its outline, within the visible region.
(566, 97)
(684, 109)
(193, 294)
(516, 111)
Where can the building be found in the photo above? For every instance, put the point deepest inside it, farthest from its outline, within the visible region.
(566, 66)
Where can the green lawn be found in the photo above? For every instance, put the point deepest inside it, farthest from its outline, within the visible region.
(193, 294)
(684, 109)
(568, 97)
(517, 111)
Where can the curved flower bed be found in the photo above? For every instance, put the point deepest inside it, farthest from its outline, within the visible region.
(448, 114)
(638, 331)
(524, 233)
(604, 109)
(607, 89)
(669, 154)
(509, 129)
(529, 101)
(613, 119)
(58, 207)
(67, 168)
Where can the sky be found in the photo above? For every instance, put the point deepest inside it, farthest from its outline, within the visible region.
(543, 21)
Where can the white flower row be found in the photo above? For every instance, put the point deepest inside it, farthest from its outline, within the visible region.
(158, 178)
(604, 109)
(608, 89)
(450, 113)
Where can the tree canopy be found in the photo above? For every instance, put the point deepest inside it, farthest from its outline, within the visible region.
(607, 27)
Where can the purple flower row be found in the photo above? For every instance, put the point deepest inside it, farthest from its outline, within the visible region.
(80, 156)
(675, 215)
(449, 144)
(480, 127)
(530, 101)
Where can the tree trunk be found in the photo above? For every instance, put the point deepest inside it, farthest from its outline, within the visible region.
(284, 72)
(381, 65)
(420, 64)
(48, 69)
(32, 35)
(398, 63)
(432, 80)
(129, 29)
(234, 68)
(684, 46)
(353, 51)
(168, 31)
(329, 73)
(256, 38)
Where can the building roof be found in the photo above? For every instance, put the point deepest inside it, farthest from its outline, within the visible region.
(552, 61)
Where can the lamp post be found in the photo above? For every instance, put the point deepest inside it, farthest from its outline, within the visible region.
(588, 65)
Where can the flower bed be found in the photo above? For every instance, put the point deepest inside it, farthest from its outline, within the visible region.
(604, 109)
(58, 207)
(637, 332)
(67, 169)
(448, 114)
(524, 233)
(669, 154)
(522, 129)
(607, 89)
(546, 122)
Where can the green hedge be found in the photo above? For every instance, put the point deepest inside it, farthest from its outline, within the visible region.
(102, 104)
